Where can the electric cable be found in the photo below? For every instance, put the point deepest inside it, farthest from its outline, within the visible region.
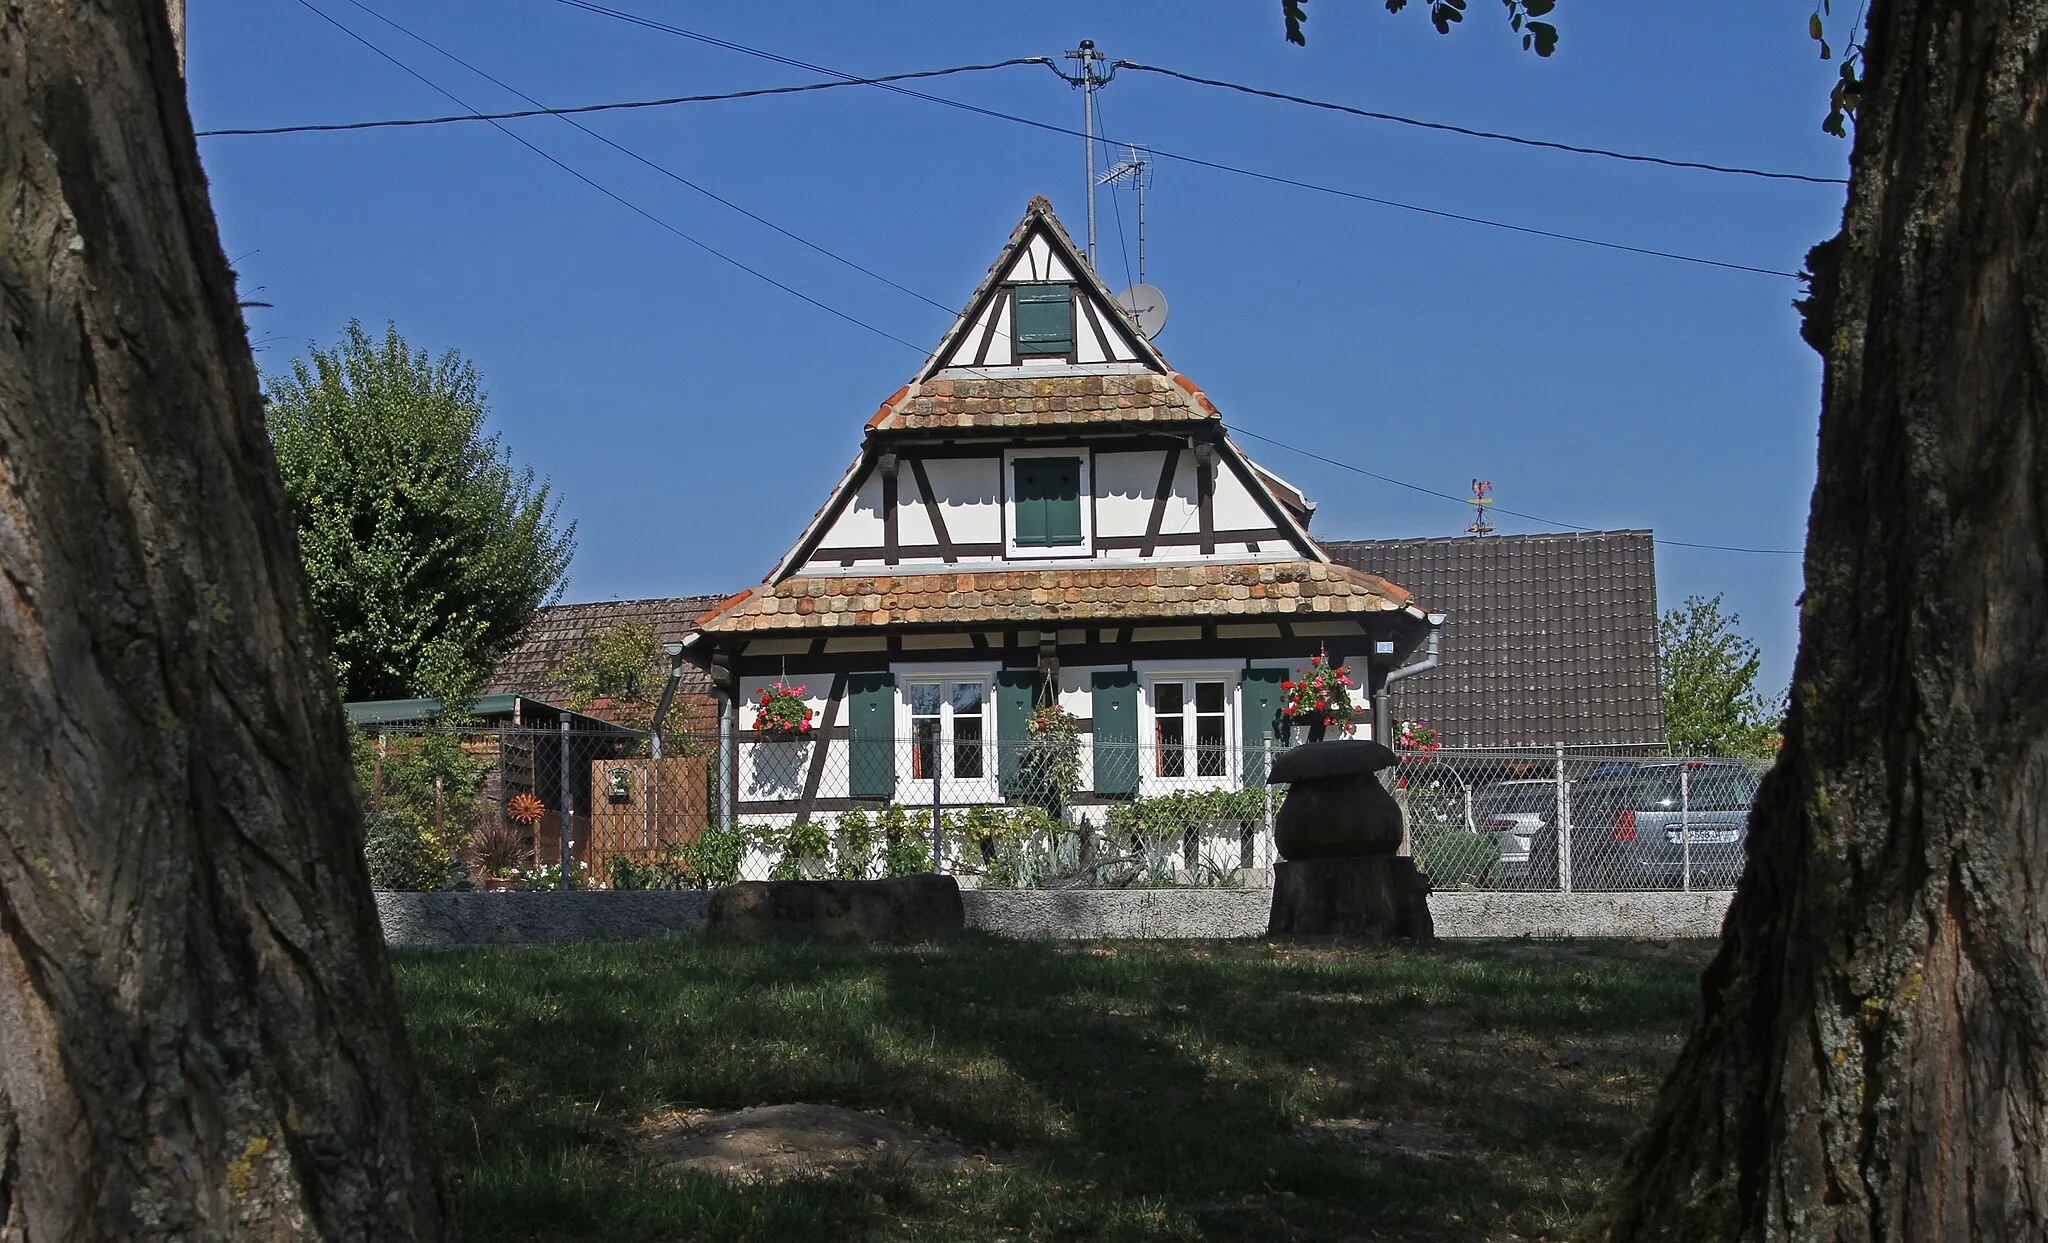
(1116, 205)
(610, 194)
(398, 123)
(1237, 430)
(1275, 178)
(1480, 133)
(659, 168)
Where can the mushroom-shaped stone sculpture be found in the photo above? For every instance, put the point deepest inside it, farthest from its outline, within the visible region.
(1335, 806)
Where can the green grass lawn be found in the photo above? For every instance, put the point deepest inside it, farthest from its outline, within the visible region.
(1121, 1090)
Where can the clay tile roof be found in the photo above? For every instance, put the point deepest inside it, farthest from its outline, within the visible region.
(1033, 401)
(1551, 638)
(1275, 589)
(557, 631)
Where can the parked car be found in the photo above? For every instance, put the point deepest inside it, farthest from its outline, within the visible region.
(1630, 826)
(1511, 812)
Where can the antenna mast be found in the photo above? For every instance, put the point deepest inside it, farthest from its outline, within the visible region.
(1138, 169)
(1089, 79)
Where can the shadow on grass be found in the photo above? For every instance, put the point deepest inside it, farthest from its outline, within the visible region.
(1122, 1091)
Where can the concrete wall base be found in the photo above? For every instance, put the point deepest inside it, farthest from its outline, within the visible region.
(443, 920)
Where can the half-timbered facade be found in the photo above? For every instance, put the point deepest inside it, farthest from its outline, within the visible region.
(1048, 511)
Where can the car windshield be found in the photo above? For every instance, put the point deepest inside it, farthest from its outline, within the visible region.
(1510, 799)
(1717, 787)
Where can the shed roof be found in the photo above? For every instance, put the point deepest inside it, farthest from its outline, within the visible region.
(1551, 638)
(562, 629)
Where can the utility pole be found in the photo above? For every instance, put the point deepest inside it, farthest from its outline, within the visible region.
(1088, 78)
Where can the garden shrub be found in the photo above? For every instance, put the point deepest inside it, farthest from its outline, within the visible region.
(854, 856)
(402, 854)
(1454, 858)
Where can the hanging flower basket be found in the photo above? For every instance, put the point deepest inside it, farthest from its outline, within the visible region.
(1319, 697)
(1415, 736)
(781, 713)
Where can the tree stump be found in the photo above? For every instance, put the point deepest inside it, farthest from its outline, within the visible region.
(1379, 896)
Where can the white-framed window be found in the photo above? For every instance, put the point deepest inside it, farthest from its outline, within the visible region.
(947, 719)
(1188, 728)
(1048, 503)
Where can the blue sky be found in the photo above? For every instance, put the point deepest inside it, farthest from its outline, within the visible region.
(692, 416)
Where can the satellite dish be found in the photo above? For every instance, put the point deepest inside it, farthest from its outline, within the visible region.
(1147, 307)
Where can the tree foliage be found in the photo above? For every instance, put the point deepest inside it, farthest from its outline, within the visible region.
(427, 550)
(623, 663)
(1711, 704)
(1537, 36)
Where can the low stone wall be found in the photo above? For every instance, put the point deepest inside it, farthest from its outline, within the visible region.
(442, 920)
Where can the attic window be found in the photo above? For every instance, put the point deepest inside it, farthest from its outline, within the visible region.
(1045, 321)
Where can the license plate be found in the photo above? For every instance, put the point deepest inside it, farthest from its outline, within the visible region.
(1707, 836)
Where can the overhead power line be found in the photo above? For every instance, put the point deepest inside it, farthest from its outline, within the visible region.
(1480, 133)
(663, 169)
(1465, 500)
(1274, 178)
(402, 122)
(621, 200)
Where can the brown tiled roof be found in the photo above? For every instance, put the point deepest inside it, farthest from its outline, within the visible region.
(1551, 638)
(1281, 588)
(562, 629)
(1142, 397)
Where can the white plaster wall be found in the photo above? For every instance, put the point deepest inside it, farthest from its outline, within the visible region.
(859, 525)
(1183, 506)
(968, 497)
(1123, 491)
(1236, 508)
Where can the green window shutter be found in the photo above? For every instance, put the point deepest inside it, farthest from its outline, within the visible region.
(1028, 503)
(871, 735)
(1260, 691)
(1014, 691)
(1047, 502)
(1044, 320)
(1116, 732)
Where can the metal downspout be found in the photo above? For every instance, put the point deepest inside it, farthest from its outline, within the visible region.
(1432, 656)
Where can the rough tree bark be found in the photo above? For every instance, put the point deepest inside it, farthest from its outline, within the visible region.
(1871, 1059)
(199, 1037)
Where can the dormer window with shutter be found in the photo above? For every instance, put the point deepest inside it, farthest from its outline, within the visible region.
(1046, 504)
(1045, 321)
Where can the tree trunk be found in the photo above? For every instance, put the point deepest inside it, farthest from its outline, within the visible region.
(199, 1037)
(1871, 1059)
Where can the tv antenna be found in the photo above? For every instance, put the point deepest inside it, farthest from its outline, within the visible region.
(1482, 496)
(1136, 170)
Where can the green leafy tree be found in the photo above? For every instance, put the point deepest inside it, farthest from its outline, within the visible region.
(1711, 704)
(1537, 36)
(624, 664)
(426, 549)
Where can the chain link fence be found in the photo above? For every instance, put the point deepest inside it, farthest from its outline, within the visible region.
(503, 807)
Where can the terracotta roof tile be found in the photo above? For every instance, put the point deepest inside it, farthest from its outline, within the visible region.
(1273, 588)
(1016, 401)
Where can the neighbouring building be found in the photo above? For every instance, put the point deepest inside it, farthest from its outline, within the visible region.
(1047, 512)
(1551, 639)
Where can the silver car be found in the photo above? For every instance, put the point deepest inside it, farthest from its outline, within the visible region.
(1511, 813)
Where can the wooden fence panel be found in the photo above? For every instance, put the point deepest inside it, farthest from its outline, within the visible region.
(665, 803)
